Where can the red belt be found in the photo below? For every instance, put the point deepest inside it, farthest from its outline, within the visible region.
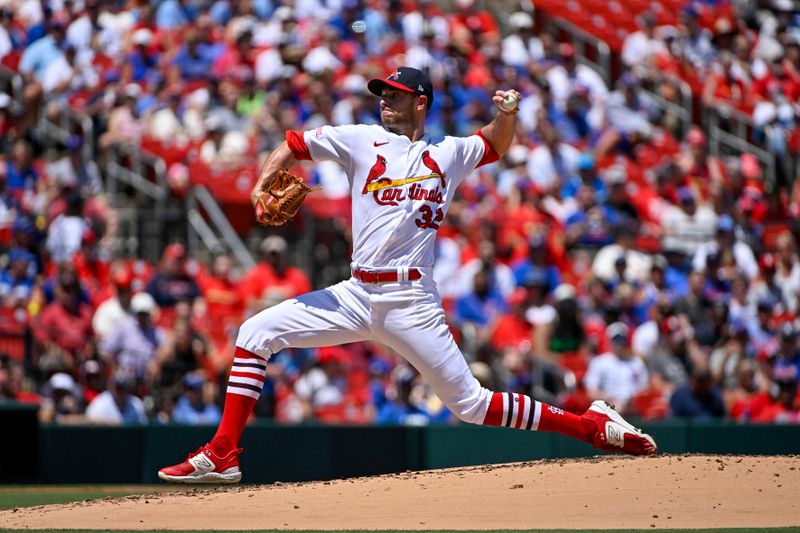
(390, 276)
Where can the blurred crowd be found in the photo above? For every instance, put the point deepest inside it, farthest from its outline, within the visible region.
(608, 255)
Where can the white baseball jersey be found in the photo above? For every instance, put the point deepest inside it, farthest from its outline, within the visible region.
(400, 190)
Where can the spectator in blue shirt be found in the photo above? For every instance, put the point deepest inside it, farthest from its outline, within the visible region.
(192, 64)
(172, 282)
(174, 14)
(410, 401)
(40, 54)
(786, 360)
(617, 200)
(117, 405)
(142, 59)
(16, 280)
(192, 406)
(20, 174)
(593, 225)
(536, 265)
(587, 176)
(699, 399)
(676, 273)
(483, 305)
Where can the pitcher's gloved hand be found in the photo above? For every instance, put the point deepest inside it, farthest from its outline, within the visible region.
(281, 201)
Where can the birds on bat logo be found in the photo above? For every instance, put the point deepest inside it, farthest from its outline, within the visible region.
(375, 172)
(387, 191)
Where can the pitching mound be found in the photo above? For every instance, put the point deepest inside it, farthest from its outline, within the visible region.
(608, 492)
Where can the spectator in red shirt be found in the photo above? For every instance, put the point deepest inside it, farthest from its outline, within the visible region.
(13, 381)
(777, 84)
(221, 291)
(273, 279)
(698, 166)
(92, 266)
(785, 409)
(477, 24)
(513, 329)
(746, 400)
(64, 329)
(224, 304)
(723, 87)
(238, 60)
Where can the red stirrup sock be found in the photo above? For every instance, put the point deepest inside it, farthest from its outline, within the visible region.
(520, 411)
(244, 387)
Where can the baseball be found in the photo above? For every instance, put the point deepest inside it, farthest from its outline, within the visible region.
(509, 103)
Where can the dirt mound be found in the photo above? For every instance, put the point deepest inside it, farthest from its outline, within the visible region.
(609, 492)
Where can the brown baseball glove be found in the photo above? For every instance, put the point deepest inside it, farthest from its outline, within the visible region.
(282, 199)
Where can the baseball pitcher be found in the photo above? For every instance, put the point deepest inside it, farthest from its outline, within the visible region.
(402, 181)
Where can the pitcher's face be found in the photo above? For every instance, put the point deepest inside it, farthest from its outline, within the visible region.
(398, 108)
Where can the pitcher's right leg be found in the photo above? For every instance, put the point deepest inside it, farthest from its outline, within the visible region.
(418, 331)
(328, 317)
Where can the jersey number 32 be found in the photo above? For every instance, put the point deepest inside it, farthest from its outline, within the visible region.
(429, 219)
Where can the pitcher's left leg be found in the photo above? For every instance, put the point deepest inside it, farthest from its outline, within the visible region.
(419, 333)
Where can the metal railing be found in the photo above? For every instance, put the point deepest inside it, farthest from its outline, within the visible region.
(70, 122)
(199, 229)
(130, 165)
(127, 165)
(584, 41)
(682, 111)
(206, 224)
(730, 129)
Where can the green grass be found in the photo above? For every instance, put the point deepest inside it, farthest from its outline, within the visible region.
(8, 501)
(30, 495)
(718, 530)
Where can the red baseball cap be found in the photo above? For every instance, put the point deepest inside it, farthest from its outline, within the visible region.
(175, 251)
(518, 296)
(566, 50)
(767, 262)
(123, 279)
(751, 169)
(696, 137)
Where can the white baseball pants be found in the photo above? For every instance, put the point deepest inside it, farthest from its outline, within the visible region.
(406, 316)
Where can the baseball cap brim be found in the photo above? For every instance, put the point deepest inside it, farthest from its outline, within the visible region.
(376, 85)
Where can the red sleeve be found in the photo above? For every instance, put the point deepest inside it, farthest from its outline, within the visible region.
(489, 155)
(297, 144)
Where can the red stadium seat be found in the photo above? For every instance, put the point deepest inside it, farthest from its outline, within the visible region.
(613, 35)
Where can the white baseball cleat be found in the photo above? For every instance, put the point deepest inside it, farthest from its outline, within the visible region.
(615, 434)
